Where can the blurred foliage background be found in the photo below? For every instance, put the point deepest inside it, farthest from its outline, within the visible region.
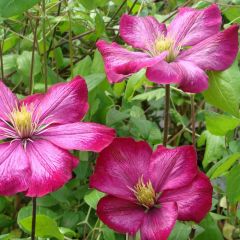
(45, 42)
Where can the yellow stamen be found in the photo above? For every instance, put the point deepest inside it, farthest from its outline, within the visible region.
(145, 193)
(21, 120)
(166, 44)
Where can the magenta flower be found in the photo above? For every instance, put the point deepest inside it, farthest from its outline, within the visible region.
(179, 53)
(149, 191)
(38, 131)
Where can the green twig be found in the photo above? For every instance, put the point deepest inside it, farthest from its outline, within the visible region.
(166, 114)
(45, 74)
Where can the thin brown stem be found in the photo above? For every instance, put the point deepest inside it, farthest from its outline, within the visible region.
(166, 114)
(55, 29)
(193, 120)
(31, 82)
(45, 74)
(34, 212)
(1, 60)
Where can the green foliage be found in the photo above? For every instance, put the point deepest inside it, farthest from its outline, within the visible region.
(134, 107)
(9, 8)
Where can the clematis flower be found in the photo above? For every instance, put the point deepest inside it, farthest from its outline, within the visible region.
(37, 133)
(179, 53)
(148, 191)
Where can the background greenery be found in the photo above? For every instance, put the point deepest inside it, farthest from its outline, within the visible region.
(45, 42)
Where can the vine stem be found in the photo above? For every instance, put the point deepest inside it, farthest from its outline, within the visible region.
(193, 120)
(31, 82)
(44, 45)
(166, 114)
(34, 211)
(1, 60)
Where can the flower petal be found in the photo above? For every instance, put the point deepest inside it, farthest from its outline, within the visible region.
(194, 200)
(80, 136)
(159, 222)
(141, 32)
(163, 73)
(8, 101)
(120, 165)
(121, 215)
(173, 168)
(121, 63)
(14, 168)
(216, 52)
(51, 167)
(34, 99)
(193, 78)
(191, 26)
(64, 102)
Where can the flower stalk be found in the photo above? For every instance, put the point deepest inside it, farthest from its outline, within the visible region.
(193, 119)
(34, 210)
(166, 114)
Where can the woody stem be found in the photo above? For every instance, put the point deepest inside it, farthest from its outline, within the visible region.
(166, 114)
(34, 210)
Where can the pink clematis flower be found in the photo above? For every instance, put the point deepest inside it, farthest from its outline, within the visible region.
(148, 191)
(179, 53)
(37, 133)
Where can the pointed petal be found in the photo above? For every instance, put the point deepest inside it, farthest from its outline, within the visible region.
(194, 200)
(8, 101)
(216, 52)
(121, 63)
(173, 168)
(80, 136)
(163, 73)
(121, 215)
(64, 102)
(14, 168)
(141, 32)
(51, 167)
(119, 166)
(34, 100)
(193, 78)
(191, 26)
(3, 126)
(159, 222)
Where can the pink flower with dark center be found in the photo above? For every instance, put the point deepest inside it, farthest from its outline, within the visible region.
(37, 133)
(179, 53)
(148, 191)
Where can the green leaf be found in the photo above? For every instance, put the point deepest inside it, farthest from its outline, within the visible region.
(100, 25)
(5, 221)
(115, 116)
(9, 8)
(94, 80)
(219, 124)
(223, 91)
(93, 197)
(133, 83)
(180, 231)
(3, 203)
(215, 146)
(223, 166)
(83, 67)
(45, 225)
(98, 64)
(232, 14)
(211, 230)
(150, 95)
(24, 63)
(108, 234)
(233, 191)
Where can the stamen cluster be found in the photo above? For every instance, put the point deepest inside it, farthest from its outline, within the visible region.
(145, 193)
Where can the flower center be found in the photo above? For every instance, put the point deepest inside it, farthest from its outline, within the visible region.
(145, 193)
(21, 119)
(166, 44)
